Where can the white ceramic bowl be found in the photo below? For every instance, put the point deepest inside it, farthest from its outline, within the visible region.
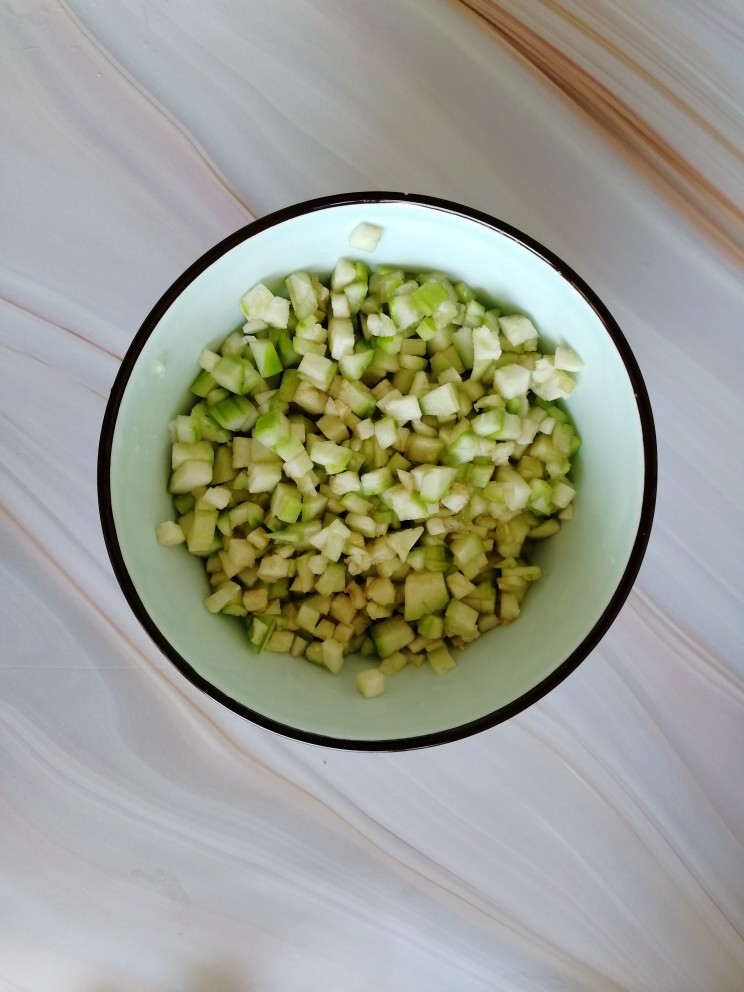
(588, 569)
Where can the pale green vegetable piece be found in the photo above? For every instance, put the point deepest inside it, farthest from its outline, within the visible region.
(367, 464)
(371, 682)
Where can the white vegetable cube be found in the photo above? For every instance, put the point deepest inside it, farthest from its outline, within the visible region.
(448, 312)
(380, 325)
(508, 606)
(200, 451)
(277, 313)
(486, 344)
(466, 548)
(371, 682)
(365, 236)
(332, 655)
(345, 482)
(257, 301)
(394, 663)
(280, 641)
(310, 329)
(381, 590)
(512, 380)
(340, 337)
(354, 366)
(404, 311)
(406, 505)
(317, 370)
(218, 496)
(331, 539)
(567, 359)
(544, 369)
(263, 477)
(516, 489)
(441, 660)
(344, 273)
(433, 481)
(465, 448)
(511, 429)
(253, 326)
(459, 586)
(169, 534)
(402, 541)
(297, 468)
(340, 305)
(488, 424)
(457, 499)
(404, 409)
(441, 402)
(208, 360)
(273, 567)
(256, 600)
(357, 397)
(558, 386)
(307, 618)
(302, 294)
(365, 429)
(333, 457)
(517, 329)
(565, 384)
(562, 493)
(190, 475)
(377, 481)
(227, 592)
(386, 432)
(317, 564)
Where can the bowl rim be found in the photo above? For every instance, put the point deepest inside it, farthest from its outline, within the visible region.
(547, 684)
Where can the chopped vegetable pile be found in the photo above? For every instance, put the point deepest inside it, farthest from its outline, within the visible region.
(368, 466)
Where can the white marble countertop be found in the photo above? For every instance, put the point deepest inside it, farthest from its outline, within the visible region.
(152, 841)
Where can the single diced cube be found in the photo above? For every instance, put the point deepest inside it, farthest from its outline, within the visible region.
(332, 654)
(441, 660)
(307, 618)
(371, 682)
(170, 534)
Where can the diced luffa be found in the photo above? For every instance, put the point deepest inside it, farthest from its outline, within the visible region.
(369, 463)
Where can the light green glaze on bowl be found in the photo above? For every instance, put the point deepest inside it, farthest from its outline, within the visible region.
(588, 568)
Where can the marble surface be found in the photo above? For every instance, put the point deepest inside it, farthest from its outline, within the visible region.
(151, 840)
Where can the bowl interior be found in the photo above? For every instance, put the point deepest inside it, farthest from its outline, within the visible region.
(583, 566)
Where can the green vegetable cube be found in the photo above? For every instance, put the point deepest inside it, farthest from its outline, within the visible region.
(265, 356)
(460, 620)
(425, 593)
(272, 428)
(286, 503)
(390, 635)
(428, 297)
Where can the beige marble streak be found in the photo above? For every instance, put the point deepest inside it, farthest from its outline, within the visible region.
(571, 72)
